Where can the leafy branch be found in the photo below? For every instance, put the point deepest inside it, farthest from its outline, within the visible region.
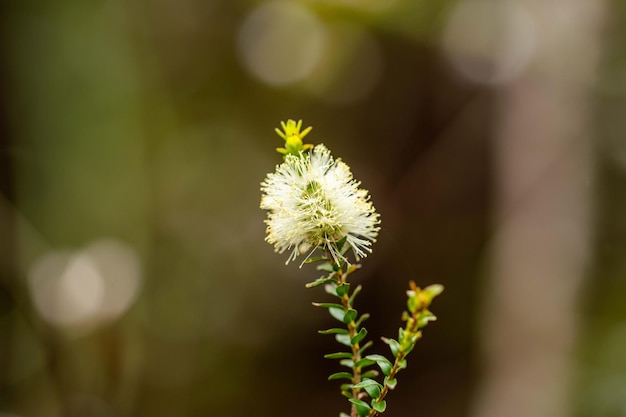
(364, 392)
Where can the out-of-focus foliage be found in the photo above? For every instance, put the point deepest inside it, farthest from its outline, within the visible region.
(134, 276)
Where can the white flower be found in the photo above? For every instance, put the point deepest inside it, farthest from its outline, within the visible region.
(314, 202)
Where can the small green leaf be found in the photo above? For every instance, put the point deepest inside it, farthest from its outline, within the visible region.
(338, 355)
(393, 345)
(391, 383)
(326, 267)
(432, 291)
(365, 383)
(379, 406)
(343, 415)
(341, 242)
(329, 305)
(361, 320)
(382, 362)
(377, 358)
(373, 390)
(320, 281)
(350, 316)
(347, 362)
(330, 288)
(413, 304)
(364, 363)
(342, 290)
(314, 259)
(333, 331)
(385, 367)
(362, 408)
(372, 373)
(425, 318)
(340, 375)
(371, 387)
(359, 336)
(344, 339)
(337, 313)
(356, 291)
(402, 364)
(366, 346)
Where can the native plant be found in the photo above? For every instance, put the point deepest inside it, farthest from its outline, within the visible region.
(316, 209)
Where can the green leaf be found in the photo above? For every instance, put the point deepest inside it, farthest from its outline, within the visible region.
(362, 408)
(338, 355)
(350, 316)
(354, 294)
(330, 288)
(314, 259)
(377, 358)
(320, 281)
(343, 415)
(340, 375)
(337, 313)
(391, 383)
(385, 367)
(344, 339)
(400, 335)
(393, 345)
(382, 362)
(326, 267)
(347, 362)
(358, 337)
(366, 346)
(432, 291)
(372, 373)
(379, 406)
(342, 290)
(329, 305)
(365, 383)
(371, 387)
(341, 242)
(364, 362)
(425, 318)
(373, 390)
(333, 331)
(413, 304)
(361, 320)
(402, 364)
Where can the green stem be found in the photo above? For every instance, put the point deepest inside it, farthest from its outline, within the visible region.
(356, 354)
(346, 302)
(411, 329)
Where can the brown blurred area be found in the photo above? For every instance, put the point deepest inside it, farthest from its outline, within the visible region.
(134, 276)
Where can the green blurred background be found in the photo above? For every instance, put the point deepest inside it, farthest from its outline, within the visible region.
(135, 280)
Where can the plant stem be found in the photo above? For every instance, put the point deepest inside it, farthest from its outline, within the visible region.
(352, 332)
(411, 329)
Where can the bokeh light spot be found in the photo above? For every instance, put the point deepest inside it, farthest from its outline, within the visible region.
(120, 269)
(85, 288)
(281, 43)
(67, 289)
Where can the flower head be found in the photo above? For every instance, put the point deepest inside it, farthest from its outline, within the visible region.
(314, 202)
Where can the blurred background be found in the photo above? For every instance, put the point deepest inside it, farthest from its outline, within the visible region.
(135, 280)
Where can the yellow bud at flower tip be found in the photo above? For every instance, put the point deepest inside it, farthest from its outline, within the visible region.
(293, 137)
